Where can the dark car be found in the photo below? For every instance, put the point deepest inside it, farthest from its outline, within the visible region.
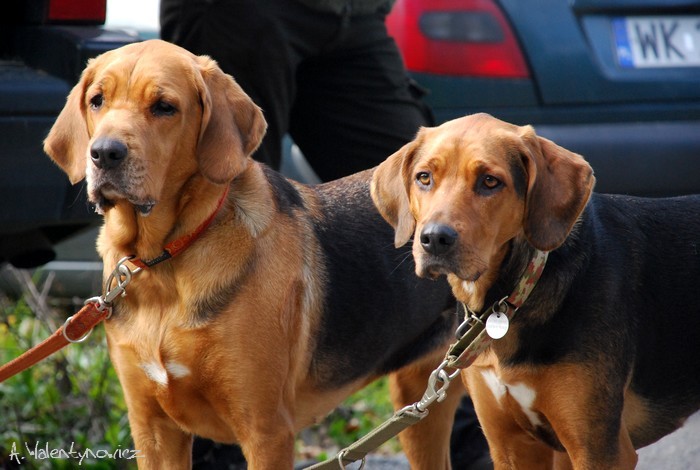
(617, 81)
(44, 46)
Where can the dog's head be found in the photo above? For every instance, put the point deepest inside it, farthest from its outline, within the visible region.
(148, 116)
(465, 189)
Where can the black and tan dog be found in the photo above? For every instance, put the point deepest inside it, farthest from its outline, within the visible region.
(604, 356)
(293, 296)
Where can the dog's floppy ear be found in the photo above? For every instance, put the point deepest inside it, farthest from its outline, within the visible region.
(232, 125)
(560, 184)
(68, 139)
(389, 189)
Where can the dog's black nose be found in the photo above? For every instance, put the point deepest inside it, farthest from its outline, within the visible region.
(438, 239)
(108, 153)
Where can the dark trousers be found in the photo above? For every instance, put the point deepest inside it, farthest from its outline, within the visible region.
(335, 83)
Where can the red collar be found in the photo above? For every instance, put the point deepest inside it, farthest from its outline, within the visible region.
(179, 245)
(97, 309)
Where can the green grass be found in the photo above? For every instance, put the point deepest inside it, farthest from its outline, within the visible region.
(354, 418)
(72, 400)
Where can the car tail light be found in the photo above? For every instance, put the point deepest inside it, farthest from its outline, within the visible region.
(456, 37)
(77, 11)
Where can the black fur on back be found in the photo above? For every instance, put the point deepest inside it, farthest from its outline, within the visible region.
(378, 314)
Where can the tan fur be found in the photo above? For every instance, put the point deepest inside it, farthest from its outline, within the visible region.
(243, 376)
(559, 183)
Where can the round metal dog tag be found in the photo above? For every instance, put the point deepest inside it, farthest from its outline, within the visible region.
(497, 325)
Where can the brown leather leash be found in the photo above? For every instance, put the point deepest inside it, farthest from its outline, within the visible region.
(79, 326)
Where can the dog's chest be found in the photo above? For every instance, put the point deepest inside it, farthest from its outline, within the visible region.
(189, 394)
(512, 395)
(163, 361)
(161, 356)
(517, 397)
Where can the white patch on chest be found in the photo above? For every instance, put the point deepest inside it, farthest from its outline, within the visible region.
(155, 372)
(497, 387)
(521, 393)
(177, 370)
(525, 396)
(159, 375)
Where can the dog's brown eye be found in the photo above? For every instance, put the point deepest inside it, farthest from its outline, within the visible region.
(491, 182)
(163, 108)
(424, 178)
(97, 101)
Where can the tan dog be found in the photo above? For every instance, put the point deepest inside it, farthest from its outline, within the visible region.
(288, 301)
(593, 365)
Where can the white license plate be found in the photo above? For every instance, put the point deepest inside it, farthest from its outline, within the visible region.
(657, 41)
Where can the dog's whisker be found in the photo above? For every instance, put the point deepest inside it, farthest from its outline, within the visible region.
(406, 257)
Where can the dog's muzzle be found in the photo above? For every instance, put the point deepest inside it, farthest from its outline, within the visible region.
(438, 239)
(441, 254)
(107, 154)
(110, 179)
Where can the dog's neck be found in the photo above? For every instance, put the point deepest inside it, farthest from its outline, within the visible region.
(511, 270)
(497, 283)
(553, 284)
(126, 232)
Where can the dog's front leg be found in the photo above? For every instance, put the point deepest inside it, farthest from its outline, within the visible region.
(158, 441)
(510, 445)
(427, 443)
(269, 446)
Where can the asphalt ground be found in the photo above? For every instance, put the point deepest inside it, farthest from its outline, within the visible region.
(679, 450)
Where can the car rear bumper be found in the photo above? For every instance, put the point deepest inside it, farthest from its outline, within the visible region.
(645, 149)
(640, 158)
(40, 207)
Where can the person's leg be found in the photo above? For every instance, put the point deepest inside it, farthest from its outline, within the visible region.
(259, 43)
(355, 103)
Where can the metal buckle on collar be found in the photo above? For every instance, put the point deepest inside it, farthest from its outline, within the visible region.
(471, 319)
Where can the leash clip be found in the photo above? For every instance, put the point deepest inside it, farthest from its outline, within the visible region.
(432, 392)
(121, 275)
